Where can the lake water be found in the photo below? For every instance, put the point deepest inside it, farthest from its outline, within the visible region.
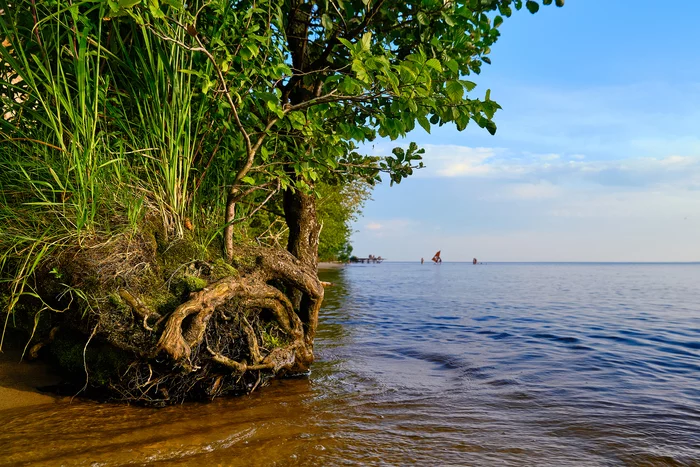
(497, 364)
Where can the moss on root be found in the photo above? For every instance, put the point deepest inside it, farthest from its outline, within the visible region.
(133, 300)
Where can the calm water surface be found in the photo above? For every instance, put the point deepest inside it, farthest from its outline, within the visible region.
(498, 364)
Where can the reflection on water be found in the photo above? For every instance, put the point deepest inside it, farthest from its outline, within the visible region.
(439, 365)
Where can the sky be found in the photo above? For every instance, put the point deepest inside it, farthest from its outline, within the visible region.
(596, 157)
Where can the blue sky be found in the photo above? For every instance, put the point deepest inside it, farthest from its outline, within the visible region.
(597, 154)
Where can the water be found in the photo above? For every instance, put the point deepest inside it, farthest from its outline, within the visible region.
(498, 364)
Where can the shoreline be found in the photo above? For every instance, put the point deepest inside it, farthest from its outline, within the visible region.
(19, 382)
(327, 265)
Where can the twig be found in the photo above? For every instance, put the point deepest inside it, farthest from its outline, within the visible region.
(87, 375)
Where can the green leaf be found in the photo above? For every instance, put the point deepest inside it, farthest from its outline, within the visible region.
(177, 4)
(248, 180)
(434, 64)
(246, 54)
(366, 41)
(252, 48)
(297, 119)
(154, 7)
(491, 127)
(267, 97)
(533, 7)
(453, 66)
(196, 73)
(207, 85)
(468, 85)
(359, 68)
(280, 69)
(454, 90)
(423, 121)
(347, 43)
(326, 22)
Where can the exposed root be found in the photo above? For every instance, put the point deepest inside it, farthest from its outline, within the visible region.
(34, 350)
(178, 344)
(85, 366)
(253, 293)
(222, 328)
(276, 360)
(237, 366)
(139, 308)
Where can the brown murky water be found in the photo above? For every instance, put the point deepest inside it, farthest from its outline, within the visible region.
(448, 365)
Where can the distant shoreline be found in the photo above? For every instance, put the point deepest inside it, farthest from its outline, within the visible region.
(325, 265)
(545, 262)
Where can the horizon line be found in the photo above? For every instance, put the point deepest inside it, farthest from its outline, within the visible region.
(545, 262)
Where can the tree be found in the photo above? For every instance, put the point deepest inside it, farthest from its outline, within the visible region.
(338, 206)
(315, 76)
(212, 110)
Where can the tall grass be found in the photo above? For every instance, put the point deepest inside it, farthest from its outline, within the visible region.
(169, 120)
(96, 131)
(60, 155)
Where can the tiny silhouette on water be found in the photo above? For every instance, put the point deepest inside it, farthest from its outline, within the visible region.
(437, 258)
(421, 261)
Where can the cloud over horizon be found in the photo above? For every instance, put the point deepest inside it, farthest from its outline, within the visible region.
(590, 163)
(454, 161)
(496, 200)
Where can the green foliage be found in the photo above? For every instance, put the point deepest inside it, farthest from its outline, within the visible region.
(272, 337)
(115, 111)
(338, 207)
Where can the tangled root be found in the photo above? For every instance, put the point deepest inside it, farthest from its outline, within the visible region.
(170, 322)
(214, 337)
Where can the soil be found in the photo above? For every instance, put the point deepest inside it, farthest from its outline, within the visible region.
(135, 318)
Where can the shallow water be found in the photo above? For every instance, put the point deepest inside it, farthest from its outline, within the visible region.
(498, 364)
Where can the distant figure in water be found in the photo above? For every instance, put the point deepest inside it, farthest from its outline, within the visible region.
(437, 258)
(421, 261)
(474, 261)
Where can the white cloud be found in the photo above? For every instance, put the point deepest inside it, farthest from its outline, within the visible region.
(535, 171)
(599, 173)
(387, 227)
(532, 191)
(455, 161)
(543, 157)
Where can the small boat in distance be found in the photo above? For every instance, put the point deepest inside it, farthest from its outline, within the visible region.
(437, 258)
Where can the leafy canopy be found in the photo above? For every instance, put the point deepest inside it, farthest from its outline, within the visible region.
(305, 80)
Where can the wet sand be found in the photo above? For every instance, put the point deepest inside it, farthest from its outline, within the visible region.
(19, 382)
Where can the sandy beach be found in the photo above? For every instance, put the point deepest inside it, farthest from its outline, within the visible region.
(19, 381)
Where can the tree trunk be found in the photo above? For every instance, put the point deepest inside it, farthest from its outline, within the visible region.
(300, 215)
(300, 208)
